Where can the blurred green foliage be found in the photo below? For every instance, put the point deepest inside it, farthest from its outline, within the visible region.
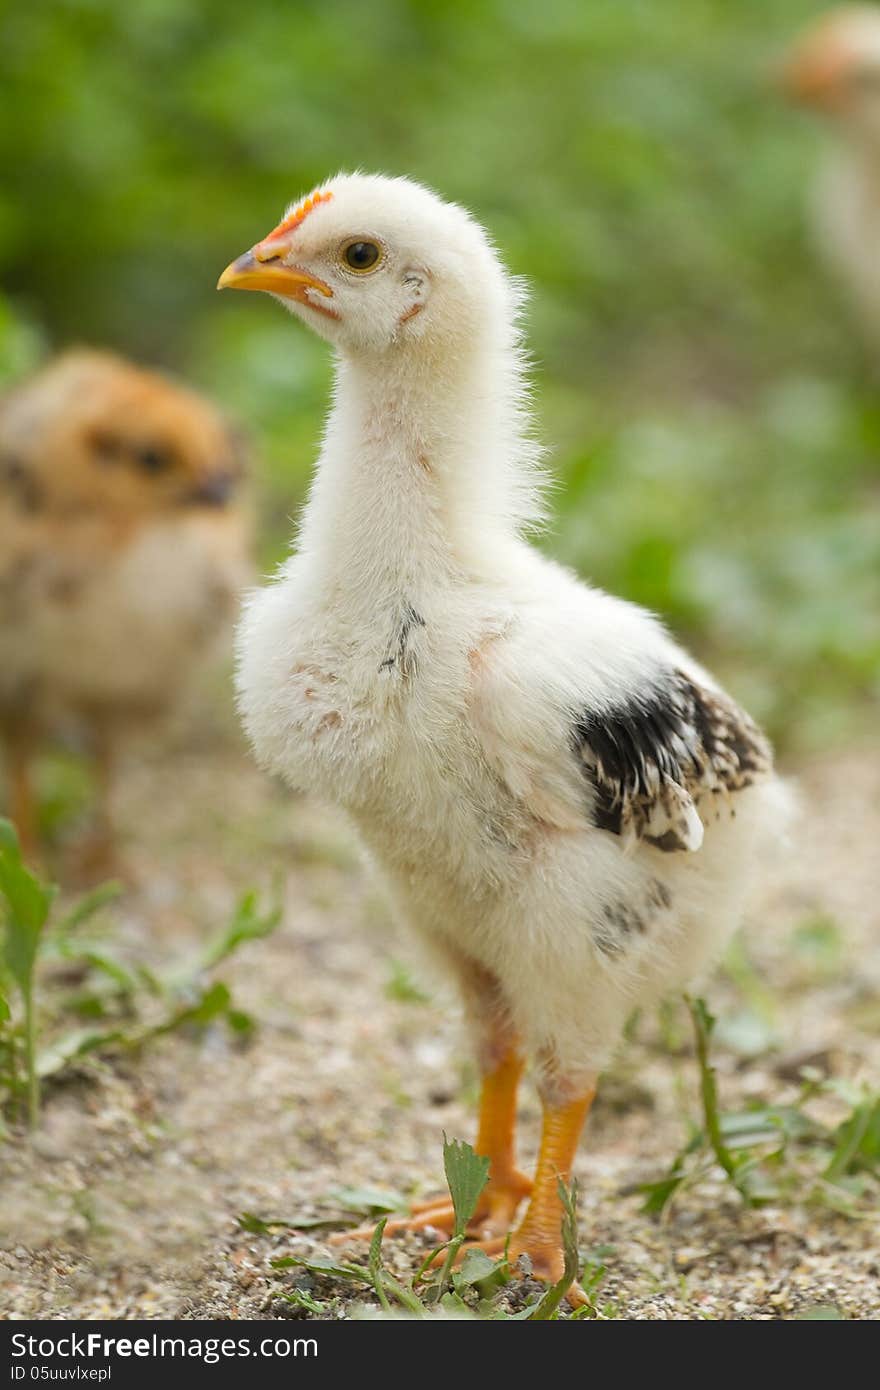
(713, 425)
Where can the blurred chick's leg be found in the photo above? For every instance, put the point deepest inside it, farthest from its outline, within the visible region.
(22, 801)
(501, 1065)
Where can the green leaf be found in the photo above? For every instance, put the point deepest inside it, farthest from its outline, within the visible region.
(766, 1122)
(89, 905)
(485, 1275)
(330, 1269)
(59, 1054)
(404, 1295)
(258, 1225)
(454, 1304)
(374, 1264)
(402, 987)
(856, 1141)
(213, 1002)
(367, 1201)
(704, 1024)
(28, 902)
(659, 1194)
(475, 1268)
(467, 1173)
(300, 1299)
(113, 969)
(241, 1023)
(820, 941)
(261, 1226)
(248, 924)
(376, 1244)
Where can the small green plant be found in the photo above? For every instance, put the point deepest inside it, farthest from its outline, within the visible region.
(27, 904)
(249, 923)
(467, 1173)
(466, 1287)
(118, 1005)
(549, 1304)
(733, 1166)
(775, 1152)
(401, 986)
(818, 944)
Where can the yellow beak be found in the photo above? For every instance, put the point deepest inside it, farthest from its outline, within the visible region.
(262, 269)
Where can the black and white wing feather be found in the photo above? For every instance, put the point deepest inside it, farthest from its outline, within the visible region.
(655, 761)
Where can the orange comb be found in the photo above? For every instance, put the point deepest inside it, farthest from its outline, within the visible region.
(298, 216)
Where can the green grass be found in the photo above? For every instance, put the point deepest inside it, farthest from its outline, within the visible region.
(402, 987)
(778, 1152)
(27, 904)
(114, 1004)
(471, 1287)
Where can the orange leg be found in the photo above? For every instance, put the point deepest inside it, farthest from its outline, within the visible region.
(539, 1234)
(495, 1139)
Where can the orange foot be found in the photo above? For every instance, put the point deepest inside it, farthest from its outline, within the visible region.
(547, 1260)
(492, 1219)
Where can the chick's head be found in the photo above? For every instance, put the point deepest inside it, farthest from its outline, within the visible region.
(377, 264)
(96, 434)
(834, 68)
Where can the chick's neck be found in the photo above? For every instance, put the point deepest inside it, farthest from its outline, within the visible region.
(418, 478)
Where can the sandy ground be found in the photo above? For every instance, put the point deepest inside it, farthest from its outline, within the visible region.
(124, 1205)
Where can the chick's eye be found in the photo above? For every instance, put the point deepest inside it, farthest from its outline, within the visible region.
(361, 255)
(152, 459)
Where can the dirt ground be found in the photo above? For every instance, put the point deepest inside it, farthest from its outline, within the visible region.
(125, 1203)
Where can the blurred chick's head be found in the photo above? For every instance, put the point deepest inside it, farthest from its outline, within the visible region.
(835, 68)
(377, 264)
(92, 432)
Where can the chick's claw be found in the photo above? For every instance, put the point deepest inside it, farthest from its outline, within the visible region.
(431, 1215)
(545, 1263)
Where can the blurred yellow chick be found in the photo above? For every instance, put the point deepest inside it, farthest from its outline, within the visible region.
(123, 551)
(834, 69)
